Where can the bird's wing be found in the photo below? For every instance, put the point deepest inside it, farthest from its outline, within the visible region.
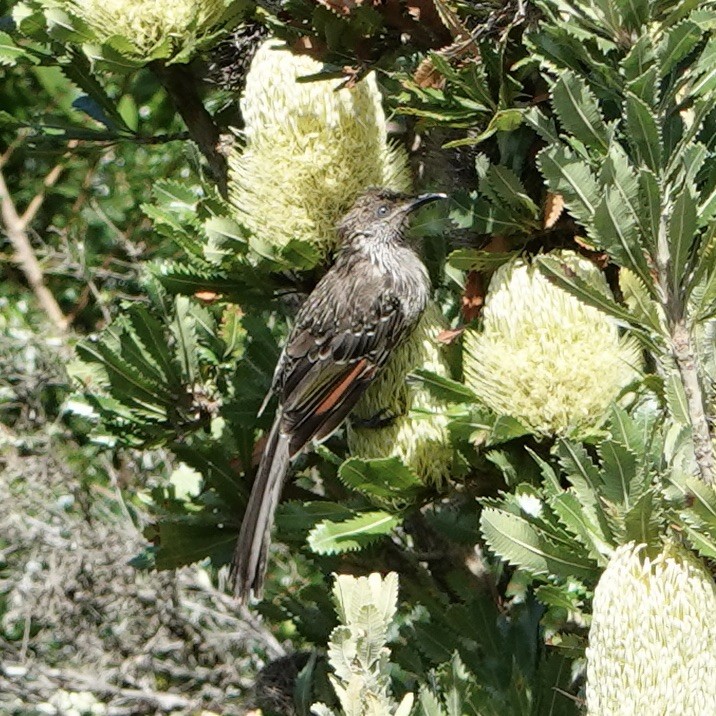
(342, 337)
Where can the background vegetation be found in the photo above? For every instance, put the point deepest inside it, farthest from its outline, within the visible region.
(141, 315)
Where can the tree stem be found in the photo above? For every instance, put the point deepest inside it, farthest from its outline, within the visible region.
(695, 399)
(180, 85)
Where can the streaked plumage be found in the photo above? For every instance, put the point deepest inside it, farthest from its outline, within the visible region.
(367, 303)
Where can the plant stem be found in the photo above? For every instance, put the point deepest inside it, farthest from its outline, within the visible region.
(688, 369)
(180, 85)
(685, 358)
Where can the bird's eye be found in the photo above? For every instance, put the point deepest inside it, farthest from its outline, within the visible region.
(382, 210)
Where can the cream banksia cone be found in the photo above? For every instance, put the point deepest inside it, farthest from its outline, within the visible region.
(652, 643)
(310, 150)
(421, 441)
(151, 26)
(544, 357)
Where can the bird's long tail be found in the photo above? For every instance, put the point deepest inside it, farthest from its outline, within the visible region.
(248, 566)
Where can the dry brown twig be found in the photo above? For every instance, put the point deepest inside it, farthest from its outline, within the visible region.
(16, 226)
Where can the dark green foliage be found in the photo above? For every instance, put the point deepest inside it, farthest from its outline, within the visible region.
(608, 105)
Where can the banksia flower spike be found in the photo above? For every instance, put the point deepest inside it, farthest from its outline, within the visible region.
(652, 643)
(152, 28)
(420, 440)
(544, 357)
(310, 150)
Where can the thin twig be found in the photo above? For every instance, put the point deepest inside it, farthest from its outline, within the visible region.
(16, 228)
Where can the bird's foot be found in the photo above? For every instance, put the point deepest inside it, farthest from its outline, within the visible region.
(381, 419)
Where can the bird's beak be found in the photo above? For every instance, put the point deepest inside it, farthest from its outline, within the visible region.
(422, 199)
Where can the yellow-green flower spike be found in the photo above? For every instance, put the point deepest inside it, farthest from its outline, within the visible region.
(419, 439)
(147, 25)
(544, 357)
(310, 150)
(652, 642)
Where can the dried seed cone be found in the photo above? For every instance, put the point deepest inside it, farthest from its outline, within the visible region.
(146, 24)
(310, 150)
(544, 357)
(421, 441)
(652, 643)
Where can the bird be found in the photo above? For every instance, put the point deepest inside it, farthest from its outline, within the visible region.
(366, 304)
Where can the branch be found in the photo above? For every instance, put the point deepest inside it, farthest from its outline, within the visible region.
(181, 87)
(695, 400)
(685, 358)
(16, 228)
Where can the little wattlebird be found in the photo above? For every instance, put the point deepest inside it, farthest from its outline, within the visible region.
(365, 305)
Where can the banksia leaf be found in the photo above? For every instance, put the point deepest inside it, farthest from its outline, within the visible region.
(545, 358)
(357, 651)
(652, 643)
(419, 438)
(311, 149)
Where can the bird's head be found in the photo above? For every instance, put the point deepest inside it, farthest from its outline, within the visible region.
(380, 215)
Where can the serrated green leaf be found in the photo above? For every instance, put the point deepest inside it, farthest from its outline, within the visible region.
(619, 471)
(128, 385)
(183, 542)
(429, 703)
(641, 521)
(677, 43)
(232, 331)
(490, 219)
(79, 71)
(295, 519)
(444, 388)
(543, 125)
(300, 254)
(615, 230)
(553, 269)
(509, 189)
(178, 198)
(219, 229)
(586, 481)
(704, 72)
(68, 29)
(650, 196)
(573, 515)
(555, 596)
(642, 131)
(476, 260)
(217, 469)
(151, 333)
(635, 13)
(571, 177)
(352, 534)
(387, 480)
(578, 111)
(10, 53)
(682, 234)
(623, 200)
(183, 327)
(521, 544)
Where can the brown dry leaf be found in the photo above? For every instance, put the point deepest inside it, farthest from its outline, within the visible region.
(553, 208)
(473, 297)
(449, 335)
(584, 243)
(427, 75)
(599, 258)
(207, 296)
